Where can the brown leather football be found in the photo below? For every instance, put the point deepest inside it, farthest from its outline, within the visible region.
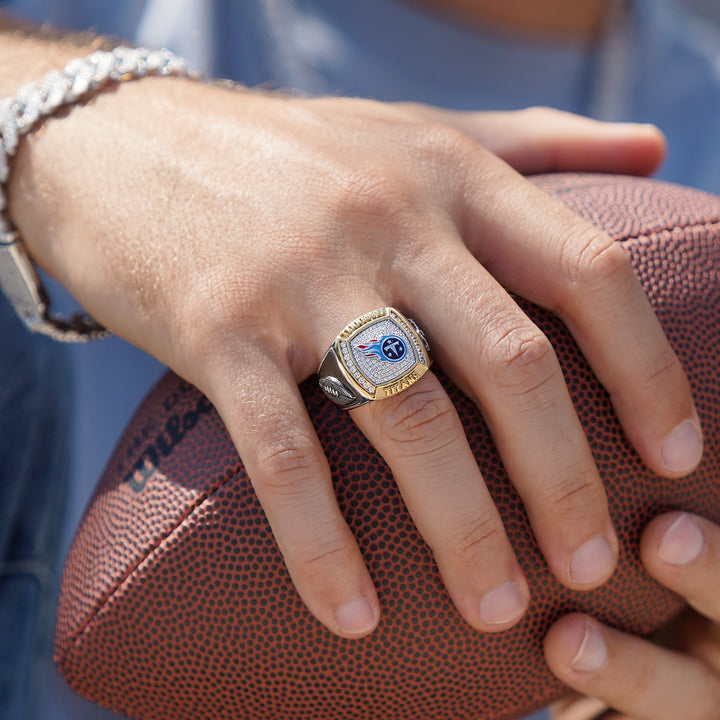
(175, 601)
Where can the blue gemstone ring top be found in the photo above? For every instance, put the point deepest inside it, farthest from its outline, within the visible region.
(378, 355)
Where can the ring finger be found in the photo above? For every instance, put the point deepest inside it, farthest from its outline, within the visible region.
(420, 435)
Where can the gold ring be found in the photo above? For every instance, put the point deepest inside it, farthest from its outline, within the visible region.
(378, 355)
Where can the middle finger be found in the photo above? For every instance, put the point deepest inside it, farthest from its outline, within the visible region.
(484, 339)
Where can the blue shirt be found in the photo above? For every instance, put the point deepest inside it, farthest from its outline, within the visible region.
(654, 64)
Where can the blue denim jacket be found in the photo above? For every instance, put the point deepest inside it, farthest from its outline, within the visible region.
(35, 424)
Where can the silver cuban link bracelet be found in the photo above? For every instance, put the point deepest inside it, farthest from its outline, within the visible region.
(19, 115)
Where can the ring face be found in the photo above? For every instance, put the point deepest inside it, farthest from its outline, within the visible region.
(379, 355)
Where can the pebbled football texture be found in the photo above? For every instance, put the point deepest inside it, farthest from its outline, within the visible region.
(175, 602)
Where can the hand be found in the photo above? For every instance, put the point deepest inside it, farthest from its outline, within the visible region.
(641, 680)
(233, 234)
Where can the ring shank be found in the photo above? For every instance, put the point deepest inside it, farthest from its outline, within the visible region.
(335, 385)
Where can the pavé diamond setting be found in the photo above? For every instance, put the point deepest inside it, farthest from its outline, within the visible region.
(377, 355)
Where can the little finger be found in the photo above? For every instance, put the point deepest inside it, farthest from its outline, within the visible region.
(288, 470)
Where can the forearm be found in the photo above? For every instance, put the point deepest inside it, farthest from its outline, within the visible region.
(62, 174)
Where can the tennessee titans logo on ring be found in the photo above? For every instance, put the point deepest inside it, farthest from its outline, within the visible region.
(389, 348)
(376, 356)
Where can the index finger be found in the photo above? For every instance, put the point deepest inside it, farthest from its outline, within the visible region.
(579, 272)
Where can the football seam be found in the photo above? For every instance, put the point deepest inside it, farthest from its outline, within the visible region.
(74, 637)
(97, 607)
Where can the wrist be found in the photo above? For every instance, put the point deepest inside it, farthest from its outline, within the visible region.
(76, 178)
(20, 114)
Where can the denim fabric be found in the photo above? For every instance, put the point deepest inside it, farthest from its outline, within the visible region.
(35, 413)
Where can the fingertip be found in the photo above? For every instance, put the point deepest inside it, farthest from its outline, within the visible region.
(593, 562)
(490, 600)
(668, 437)
(656, 141)
(659, 140)
(672, 541)
(357, 618)
(655, 404)
(646, 149)
(575, 647)
(682, 448)
(655, 136)
(503, 607)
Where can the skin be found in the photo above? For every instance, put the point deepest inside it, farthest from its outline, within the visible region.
(643, 681)
(332, 186)
(347, 205)
(550, 18)
(680, 677)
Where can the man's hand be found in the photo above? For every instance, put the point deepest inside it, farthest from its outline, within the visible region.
(232, 234)
(641, 680)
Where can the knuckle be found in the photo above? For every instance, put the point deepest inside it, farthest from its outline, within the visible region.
(520, 360)
(445, 154)
(596, 261)
(420, 417)
(324, 554)
(575, 492)
(482, 536)
(214, 312)
(435, 156)
(661, 371)
(368, 194)
(285, 466)
(539, 114)
(442, 141)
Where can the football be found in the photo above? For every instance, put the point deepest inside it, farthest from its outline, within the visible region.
(175, 602)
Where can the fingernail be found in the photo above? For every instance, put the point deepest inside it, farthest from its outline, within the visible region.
(592, 654)
(591, 562)
(682, 448)
(503, 604)
(682, 542)
(356, 617)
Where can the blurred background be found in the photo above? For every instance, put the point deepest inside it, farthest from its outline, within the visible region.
(707, 8)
